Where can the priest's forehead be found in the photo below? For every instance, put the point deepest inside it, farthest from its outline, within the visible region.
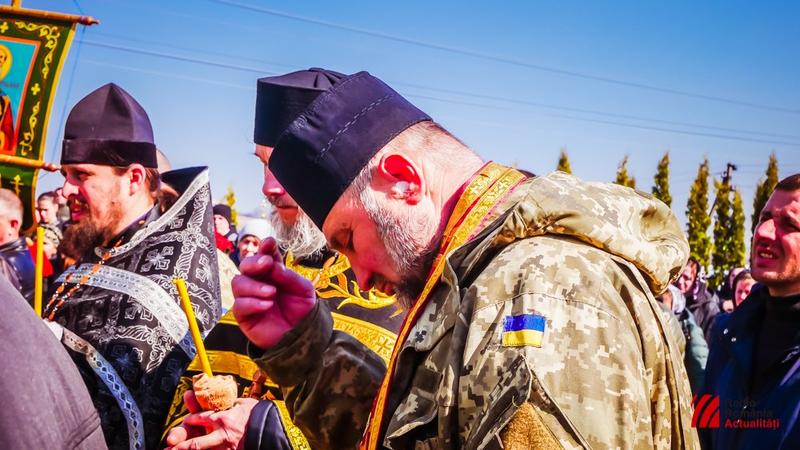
(90, 169)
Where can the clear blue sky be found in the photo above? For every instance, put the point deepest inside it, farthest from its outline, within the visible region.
(517, 81)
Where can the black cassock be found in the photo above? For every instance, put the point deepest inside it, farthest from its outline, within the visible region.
(124, 327)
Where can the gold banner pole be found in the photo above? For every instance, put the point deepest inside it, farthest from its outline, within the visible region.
(29, 163)
(17, 9)
(37, 289)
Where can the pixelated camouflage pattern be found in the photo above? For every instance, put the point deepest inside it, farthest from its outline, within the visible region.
(328, 379)
(589, 257)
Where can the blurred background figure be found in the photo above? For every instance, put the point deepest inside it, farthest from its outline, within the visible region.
(695, 355)
(16, 262)
(250, 236)
(742, 285)
(725, 293)
(223, 223)
(700, 300)
(47, 209)
(63, 209)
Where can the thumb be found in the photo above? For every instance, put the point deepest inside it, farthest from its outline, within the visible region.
(190, 400)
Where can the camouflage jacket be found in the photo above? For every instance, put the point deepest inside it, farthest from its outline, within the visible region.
(606, 372)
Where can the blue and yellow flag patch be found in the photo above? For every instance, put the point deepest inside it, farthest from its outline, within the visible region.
(524, 330)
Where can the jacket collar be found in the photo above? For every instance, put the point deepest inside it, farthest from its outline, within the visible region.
(16, 245)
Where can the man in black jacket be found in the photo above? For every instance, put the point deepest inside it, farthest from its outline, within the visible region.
(16, 263)
(700, 300)
(45, 403)
(753, 375)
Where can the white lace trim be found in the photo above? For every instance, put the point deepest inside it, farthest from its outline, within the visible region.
(147, 293)
(103, 369)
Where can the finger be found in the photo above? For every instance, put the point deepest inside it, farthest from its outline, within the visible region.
(257, 266)
(248, 308)
(213, 439)
(243, 286)
(177, 435)
(202, 419)
(190, 400)
(269, 246)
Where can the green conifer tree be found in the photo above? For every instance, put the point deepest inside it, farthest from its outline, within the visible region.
(661, 181)
(698, 218)
(738, 245)
(764, 189)
(721, 256)
(230, 200)
(622, 175)
(563, 162)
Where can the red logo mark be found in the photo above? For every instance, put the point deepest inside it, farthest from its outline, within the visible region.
(706, 411)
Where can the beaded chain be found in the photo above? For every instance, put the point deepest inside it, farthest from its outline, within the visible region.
(57, 300)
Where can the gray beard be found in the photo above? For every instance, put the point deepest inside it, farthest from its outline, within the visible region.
(412, 259)
(303, 238)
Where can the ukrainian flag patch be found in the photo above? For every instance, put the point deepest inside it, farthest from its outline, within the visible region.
(524, 330)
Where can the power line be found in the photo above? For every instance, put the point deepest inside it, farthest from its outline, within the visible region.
(194, 50)
(178, 57)
(435, 89)
(168, 74)
(263, 72)
(505, 60)
(670, 130)
(597, 112)
(243, 87)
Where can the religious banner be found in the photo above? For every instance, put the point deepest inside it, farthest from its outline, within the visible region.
(33, 47)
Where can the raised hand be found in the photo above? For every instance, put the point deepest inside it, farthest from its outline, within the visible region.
(270, 299)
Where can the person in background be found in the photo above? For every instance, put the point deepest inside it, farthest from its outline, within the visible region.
(701, 301)
(47, 209)
(63, 209)
(223, 223)
(742, 285)
(695, 355)
(52, 263)
(250, 237)
(725, 293)
(16, 263)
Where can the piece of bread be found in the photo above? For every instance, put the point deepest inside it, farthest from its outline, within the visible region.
(215, 393)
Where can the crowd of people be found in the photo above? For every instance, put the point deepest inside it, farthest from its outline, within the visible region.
(404, 293)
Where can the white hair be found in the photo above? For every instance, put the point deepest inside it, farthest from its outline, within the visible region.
(302, 238)
(10, 205)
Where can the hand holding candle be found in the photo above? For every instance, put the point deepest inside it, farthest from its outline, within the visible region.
(214, 393)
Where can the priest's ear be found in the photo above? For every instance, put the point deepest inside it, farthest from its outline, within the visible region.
(403, 177)
(136, 175)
